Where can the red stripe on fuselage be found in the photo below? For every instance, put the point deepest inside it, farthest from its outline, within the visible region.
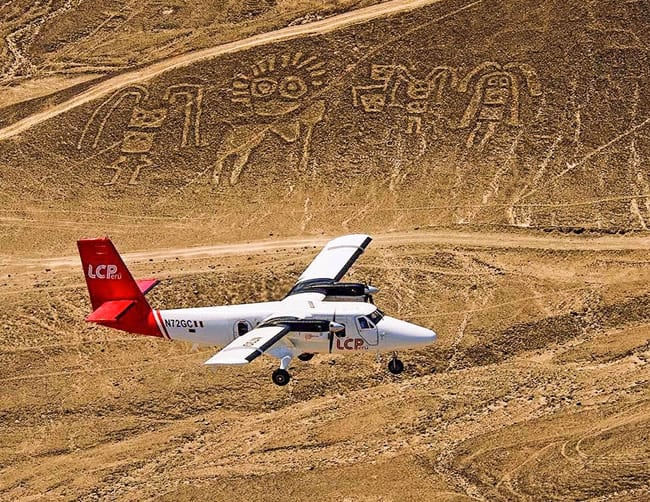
(163, 329)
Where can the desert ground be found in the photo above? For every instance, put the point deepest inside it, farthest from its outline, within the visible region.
(496, 151)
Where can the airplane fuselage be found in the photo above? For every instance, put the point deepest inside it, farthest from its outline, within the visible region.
(319, 314)
(365, 327)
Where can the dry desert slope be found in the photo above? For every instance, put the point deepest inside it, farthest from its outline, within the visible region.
(541, 373)
(498, 153)
(509, 113)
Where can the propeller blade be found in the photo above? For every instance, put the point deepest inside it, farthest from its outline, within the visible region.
(331, 333)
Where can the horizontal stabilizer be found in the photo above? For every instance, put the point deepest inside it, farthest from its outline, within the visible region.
(147, 285)
(110, 311)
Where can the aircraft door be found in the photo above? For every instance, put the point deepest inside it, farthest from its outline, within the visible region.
(368, 330)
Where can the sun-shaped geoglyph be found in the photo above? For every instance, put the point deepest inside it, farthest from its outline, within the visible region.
(278, 84)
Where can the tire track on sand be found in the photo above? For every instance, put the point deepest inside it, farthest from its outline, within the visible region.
(498, 240)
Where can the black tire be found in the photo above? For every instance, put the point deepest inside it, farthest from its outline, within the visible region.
(305, 356)
(281, 377)
(395, 366)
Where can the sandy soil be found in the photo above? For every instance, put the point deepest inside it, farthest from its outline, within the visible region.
(498, 153)
(541, 373)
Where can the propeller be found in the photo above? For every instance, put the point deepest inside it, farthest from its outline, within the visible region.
(331, 332)
(370, 290)
(335, 328)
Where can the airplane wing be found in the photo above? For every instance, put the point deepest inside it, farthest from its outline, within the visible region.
(249, 346)
(334, 260)
(330, 265)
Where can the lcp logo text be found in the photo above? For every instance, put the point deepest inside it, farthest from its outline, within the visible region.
(103, 272)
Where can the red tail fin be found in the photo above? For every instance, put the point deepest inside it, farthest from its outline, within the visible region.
(118, 300)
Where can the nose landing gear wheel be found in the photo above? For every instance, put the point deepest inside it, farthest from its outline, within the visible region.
(281, 377)
(395, 366)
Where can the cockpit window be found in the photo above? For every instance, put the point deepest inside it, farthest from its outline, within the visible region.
(376, 316)
(365, 323)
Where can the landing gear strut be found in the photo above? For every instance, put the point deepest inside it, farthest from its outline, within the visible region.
(395, 366)
(281, 377)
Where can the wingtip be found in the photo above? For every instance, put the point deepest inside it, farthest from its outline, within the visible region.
(360, 240)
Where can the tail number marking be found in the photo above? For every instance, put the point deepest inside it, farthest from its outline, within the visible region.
(183, 323)
(103, 271)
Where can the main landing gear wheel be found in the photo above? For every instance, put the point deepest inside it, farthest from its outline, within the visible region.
(395, 366)
(281, 377)
(305, 356)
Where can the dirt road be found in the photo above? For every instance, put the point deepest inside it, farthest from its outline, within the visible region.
(432, 237)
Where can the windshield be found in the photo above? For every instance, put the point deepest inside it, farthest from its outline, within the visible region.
(376, 316)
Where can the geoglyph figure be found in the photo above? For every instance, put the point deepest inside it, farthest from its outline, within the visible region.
(496, 91)
(138, 138)
(495, 98)
(276, 90)
(400, 89)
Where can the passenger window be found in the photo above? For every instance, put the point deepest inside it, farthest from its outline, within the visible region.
(242, 328)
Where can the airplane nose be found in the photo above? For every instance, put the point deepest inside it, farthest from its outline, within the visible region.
(426, 336)
(406, 334)
(429, 335)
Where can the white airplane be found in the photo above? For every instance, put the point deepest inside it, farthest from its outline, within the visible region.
(319, 314)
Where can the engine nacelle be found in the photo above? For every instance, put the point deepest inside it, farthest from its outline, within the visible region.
(342, 291)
